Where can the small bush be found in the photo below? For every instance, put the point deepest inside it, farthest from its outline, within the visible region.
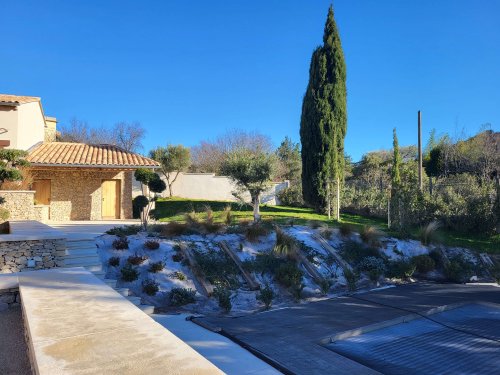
(152, 244)
(296, 291)
(254, 231)
(177, 257)
(156, 267)
(400, 270)
(179, 276)
(353, 252)
(211, 227)
(423, 263)
(437, 257)
(326, 233)
(263, 263)
(223, 296)
(138, 204)
(136, 259)
(351, 279)
(428, 234)
(345, 230)
(373, 266)
(495, 273)
(458, 270)
(291, 196)
(266, 296)
(325, 285)
(114, 261)
(191, 219)
(181, 296)
(286, 246)
(315, 224)
(121, 243)
(126, 230)
(227, 215)
(129, 273)
(150, 287)
(288, 274)
(370, 235)
(174, 229)
(210, 214)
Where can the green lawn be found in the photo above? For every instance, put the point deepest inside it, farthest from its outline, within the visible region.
(169, 209)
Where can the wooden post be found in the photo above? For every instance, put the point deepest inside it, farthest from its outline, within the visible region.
(419, 152)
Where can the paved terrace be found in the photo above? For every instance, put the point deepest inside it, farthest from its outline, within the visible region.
(294, 339)
(76, 324)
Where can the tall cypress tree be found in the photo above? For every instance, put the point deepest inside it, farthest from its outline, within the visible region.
(396, 162)
(323, 122)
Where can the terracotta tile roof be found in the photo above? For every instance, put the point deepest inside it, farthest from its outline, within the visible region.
(17, 99)
(65, 154)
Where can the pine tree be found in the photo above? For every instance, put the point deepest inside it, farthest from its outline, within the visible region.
(323, 122)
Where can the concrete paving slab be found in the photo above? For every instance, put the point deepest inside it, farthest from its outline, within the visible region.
(79, 325)
(88, 229)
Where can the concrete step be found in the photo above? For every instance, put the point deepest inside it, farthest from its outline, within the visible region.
(123, 291)
(148, 309)
(110, 282)
(94, 268)
(87, 254)
(83, 250)
(100, 274)
(135, 300)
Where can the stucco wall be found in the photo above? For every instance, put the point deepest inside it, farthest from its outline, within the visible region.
(8, 121)
(20, 203)
(211, 187)
(76, 194)
(31, 125)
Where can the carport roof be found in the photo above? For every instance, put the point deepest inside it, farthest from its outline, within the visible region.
(65, 154)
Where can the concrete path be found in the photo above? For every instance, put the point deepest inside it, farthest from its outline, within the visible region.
(79, 325)
(88, 229)
(221, 351)
(292, 337)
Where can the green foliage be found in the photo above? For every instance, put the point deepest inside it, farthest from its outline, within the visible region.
(125, 230)
(177, 257)
(156, 267)
(373, 266)
(4, 214)
(263, 263)
(458, 270)
(289, 162)
(174, 229)
(136, 259)
(179, 276)
(143, 175)
(325, 285)
(120, 243)
(291, 196)
(254, 231)
(370, 235)
(173, 160)
(345, 230)
(217, 267)
(129, 273)
(285, 246)
(396, 163)
(10, 162)
(150, 287)
(114, 261)
(351, 279)
(288, 274)
(157, 185)
(223, 296)
(353, 252)
(138, 204)
(400, 269)
(326, 233)
(266, 296)
(495, 273)
(152, 244)
(323, 122)
(423, 263)
(227, 215)
(181, 296)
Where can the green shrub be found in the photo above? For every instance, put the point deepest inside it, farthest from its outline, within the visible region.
(353, 251)
(4, 213)
(266, 296)
(177, 257)
(179, 276)
(458, 270)
(263, 263)
(152, 244)
(150, 287)
(114, 261)
(129, 273)
(125, 230)
(370, 235)
(325, 285)
(495, 273)
(400, 269)
(217, 267)
(291, 196)
(223, 296)
(437, 257)
(136, 259)
(211, 227)
(428, 234)
(351, 279)
(120, 243)
(138, 204)
(345, 230)
(423, 263)
(227, 215)
(373, 266)
(288, 274)
(286, 245)
(296, 291)
(254, 231)
(326, 233)
(156, 267)
(181, 296)
(315, 224)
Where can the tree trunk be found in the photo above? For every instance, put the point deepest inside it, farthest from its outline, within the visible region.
(338, 200)
(256, 208)
(328, 200)
(170, 193)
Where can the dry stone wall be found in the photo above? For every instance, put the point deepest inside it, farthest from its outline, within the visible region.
(9, 298)
(25, 255)
(20, 203)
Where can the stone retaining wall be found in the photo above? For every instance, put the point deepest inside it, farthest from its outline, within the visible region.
(9, 298)
(20, 203)
(27, 255)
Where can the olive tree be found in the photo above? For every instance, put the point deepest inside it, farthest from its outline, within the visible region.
(173, 159)
(251, 171)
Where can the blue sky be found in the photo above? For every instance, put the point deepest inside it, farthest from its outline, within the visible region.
(189, 70)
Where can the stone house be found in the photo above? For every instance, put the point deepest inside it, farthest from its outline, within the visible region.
(71, 181)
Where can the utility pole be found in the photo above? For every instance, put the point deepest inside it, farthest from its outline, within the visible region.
(419, 152)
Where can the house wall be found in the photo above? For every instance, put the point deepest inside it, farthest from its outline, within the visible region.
(30, 126)
(76, 194)
(20, 203)
(8, 121)
(211, 187)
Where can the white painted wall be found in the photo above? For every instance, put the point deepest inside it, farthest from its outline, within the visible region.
(211, 187)
(25, 125)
